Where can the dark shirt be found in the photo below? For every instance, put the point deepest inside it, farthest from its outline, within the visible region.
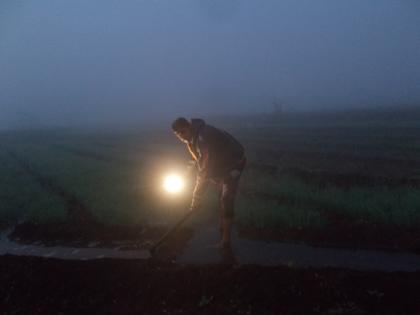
(216, 153)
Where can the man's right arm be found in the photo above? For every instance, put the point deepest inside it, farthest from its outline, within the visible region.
(202, 180)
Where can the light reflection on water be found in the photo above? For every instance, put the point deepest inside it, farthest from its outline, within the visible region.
(87, 253)
(200, 250)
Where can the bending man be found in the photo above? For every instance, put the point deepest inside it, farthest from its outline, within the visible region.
(220, 159)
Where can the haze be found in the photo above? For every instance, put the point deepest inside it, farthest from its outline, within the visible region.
(77, 62)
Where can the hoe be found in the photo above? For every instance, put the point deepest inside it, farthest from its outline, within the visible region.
(173, 184)
(168, 234)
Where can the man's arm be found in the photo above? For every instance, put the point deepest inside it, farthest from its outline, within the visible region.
(202, 180)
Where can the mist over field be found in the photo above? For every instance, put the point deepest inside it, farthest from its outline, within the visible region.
(299, 193)
(77, 63)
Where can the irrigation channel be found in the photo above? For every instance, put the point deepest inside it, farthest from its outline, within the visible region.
(200, 250)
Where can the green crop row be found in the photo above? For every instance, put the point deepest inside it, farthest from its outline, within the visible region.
(115, 193)
(270, 201)
(129, 193)
(21, 197)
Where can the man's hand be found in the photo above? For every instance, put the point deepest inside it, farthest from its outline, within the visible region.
(190, 169)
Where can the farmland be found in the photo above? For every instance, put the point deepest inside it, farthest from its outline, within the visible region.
(329, 182)
(323, 182)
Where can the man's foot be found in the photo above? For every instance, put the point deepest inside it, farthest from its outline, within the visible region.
(225, 232)
(224, 245)
(228, 256)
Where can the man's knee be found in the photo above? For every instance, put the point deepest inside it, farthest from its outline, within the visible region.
(228, 204)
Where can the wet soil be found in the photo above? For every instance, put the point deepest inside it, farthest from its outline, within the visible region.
(87, 235)
(49, 286)
(201, 249)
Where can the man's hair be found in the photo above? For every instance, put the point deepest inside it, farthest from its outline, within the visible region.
(180, 124)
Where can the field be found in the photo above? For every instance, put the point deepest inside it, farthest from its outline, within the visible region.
(328, 181)
(347, 180)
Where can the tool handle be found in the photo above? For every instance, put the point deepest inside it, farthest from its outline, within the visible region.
(171, 231)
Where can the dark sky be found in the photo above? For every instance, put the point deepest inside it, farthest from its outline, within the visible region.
(102, 61)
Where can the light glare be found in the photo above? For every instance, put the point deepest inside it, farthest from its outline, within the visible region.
(173, 183)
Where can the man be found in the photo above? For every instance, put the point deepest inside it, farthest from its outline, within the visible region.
(220, 159)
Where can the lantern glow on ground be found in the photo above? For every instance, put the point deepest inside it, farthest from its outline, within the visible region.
(173, 184)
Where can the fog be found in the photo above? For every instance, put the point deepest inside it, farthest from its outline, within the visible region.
(101, 62)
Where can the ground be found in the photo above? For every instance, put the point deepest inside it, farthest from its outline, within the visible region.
(346, 181)
(48, 286)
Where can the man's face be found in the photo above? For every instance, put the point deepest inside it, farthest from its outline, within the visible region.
(184, 135)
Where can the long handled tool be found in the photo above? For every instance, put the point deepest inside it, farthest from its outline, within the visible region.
(170, 232)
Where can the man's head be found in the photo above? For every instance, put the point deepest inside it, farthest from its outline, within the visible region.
(182, 129)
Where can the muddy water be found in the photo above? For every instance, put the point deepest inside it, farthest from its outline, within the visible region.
(201, 250)
(8, 247)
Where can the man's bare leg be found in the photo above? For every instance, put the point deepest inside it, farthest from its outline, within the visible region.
(226, 232)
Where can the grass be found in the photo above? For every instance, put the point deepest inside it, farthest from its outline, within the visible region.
(115, 176)
(23, 198)
(115, 193)
(376, 205)
(269, 214)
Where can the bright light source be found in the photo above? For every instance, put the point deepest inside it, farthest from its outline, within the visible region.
(173, 184)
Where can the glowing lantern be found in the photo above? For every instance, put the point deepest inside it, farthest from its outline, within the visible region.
(173, 183)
